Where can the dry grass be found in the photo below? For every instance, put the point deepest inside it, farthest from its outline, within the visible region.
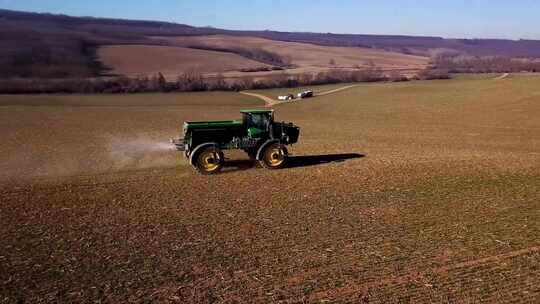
(308, 58)
(444, 207)
(310, 55)
(145, 60)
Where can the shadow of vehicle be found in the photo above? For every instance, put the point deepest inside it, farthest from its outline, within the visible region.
(294, 161)
(238, 165)
(314, 160)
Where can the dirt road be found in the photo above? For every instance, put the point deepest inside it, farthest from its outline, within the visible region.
(337, 90)
(272, 102)
(267, 100)
(503, 76)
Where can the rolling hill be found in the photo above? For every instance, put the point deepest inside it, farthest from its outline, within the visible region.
(188, 53)
(147, 60)
(57, 46)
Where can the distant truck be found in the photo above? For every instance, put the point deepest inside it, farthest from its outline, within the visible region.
(305, 94)
(257, 134)
(286, 97)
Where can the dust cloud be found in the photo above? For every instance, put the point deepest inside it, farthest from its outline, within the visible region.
(141, 153)
(111, 154)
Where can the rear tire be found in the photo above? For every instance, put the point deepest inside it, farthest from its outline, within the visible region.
(209, 161)
(274, 157)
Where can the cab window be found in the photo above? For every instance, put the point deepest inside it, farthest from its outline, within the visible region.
(259, 121)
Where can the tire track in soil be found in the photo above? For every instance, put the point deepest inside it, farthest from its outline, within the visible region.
(421, 276)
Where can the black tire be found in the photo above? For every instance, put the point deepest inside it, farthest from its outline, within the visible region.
(209, 160)
(275, 156)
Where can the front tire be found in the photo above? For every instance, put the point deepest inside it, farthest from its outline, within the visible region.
(209, 161)
(275, 156)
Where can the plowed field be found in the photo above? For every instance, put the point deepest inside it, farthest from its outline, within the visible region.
(414, 192)
(177, 58)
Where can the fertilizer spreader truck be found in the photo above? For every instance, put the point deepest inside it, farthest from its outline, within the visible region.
(257, 134)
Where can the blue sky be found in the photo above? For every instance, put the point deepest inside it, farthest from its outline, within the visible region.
(454, 19)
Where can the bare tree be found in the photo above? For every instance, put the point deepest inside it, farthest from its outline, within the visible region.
(218, 83)
(191, 80)
(162, 82)
(396, 76)
(305, 79)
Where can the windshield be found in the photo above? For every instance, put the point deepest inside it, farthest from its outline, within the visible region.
(259, 121)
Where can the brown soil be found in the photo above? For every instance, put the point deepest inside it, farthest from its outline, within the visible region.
(310, 55)
(415, 192)
(134, 60)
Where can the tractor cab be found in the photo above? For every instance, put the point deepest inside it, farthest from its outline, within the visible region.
(257, 122)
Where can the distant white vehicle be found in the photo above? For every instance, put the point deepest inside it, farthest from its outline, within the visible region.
(305, 94)
(286, 97)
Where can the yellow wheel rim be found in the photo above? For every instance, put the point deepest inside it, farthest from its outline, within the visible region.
(209, 160)
(275, 156)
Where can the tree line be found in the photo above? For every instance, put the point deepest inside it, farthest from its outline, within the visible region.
(193, 81)
(256, 54)
(491, 64)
